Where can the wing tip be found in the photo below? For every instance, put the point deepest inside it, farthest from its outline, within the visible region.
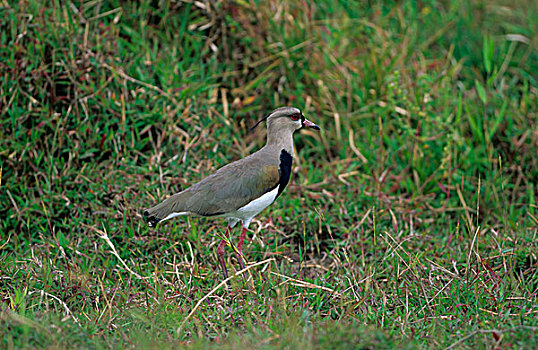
(150, 219)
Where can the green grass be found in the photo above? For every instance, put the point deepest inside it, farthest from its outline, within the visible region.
(410, 220)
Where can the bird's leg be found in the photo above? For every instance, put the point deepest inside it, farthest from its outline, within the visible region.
(239, 252)
(220, 252)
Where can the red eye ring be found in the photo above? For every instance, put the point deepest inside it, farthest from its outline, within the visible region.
(295, 117)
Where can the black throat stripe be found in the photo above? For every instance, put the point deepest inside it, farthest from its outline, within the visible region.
(284, 171)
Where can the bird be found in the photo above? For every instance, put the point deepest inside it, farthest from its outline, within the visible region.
(242, 189)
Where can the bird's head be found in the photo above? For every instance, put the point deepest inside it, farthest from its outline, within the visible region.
(287, 118)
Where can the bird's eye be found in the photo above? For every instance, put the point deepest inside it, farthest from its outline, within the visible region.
(295, 117)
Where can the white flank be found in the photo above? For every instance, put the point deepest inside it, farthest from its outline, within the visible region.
(250, 210)
(173, 215)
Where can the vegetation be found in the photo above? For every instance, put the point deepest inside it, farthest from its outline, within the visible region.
(410, 220)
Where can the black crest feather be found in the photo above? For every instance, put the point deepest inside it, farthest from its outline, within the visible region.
(259, 121)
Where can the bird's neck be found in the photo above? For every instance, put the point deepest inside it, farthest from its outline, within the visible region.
(279, 140)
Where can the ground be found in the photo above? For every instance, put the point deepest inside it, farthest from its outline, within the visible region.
(410, 219)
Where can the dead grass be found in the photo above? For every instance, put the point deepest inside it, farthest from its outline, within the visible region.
(410, 220)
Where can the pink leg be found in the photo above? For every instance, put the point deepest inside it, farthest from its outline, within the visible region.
(220, 252)
(241, 239)
(240, 248)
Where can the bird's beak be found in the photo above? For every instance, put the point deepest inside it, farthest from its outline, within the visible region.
(308, 123)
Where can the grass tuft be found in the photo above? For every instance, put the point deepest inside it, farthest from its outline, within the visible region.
(411, 219)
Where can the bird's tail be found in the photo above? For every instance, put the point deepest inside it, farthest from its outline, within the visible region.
(167, 209)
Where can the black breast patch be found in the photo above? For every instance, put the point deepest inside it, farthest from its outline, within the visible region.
(284, 171)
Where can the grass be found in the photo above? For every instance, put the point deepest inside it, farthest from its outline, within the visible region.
(410, 221)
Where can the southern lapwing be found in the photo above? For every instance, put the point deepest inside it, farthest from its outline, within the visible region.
(240, 190)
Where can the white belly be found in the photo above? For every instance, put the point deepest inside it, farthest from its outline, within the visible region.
(249, 211)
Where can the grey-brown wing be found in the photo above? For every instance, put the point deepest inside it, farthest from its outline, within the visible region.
(232, 187)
